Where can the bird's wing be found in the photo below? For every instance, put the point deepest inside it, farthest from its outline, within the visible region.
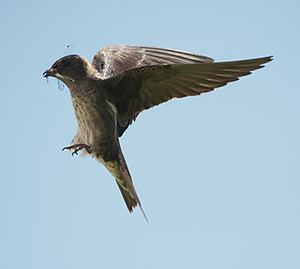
(141, 88)
(113, 60)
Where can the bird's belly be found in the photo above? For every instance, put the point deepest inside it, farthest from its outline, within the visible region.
(97, 129)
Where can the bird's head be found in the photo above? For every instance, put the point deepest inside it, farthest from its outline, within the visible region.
(70, 69)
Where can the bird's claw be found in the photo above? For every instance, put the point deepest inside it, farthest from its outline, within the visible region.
(77, 147)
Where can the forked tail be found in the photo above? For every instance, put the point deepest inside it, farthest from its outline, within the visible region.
(118, 168)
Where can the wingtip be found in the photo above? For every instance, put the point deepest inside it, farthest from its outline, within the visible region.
(266, 59)
(270, 58)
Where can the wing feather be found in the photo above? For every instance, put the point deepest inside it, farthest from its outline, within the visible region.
(157, 84)
(113, 60)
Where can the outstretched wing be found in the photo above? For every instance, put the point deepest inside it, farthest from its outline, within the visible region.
(113, 60)
(141, 88)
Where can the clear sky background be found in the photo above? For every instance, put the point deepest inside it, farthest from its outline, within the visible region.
(218, 175)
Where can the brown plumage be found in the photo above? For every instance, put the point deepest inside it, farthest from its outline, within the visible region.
(122, 81)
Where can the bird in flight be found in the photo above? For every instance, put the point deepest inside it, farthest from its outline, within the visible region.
(121, 82)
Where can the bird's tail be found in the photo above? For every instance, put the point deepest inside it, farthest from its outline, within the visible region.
(118, 168)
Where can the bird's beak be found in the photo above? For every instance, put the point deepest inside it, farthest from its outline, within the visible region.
(49, 73)
(52, 72)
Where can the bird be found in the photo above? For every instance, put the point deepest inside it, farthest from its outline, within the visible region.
(122, 81)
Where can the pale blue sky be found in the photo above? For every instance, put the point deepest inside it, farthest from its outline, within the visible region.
(218, 175)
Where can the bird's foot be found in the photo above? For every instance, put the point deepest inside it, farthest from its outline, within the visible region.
(77, 147)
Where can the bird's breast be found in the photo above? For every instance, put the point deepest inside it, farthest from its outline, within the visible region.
(97, 126)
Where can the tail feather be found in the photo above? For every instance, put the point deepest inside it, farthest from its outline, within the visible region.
(131, 203)
(127, 188)
(118, 168)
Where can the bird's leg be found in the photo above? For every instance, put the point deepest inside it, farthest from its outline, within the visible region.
(78, 147)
